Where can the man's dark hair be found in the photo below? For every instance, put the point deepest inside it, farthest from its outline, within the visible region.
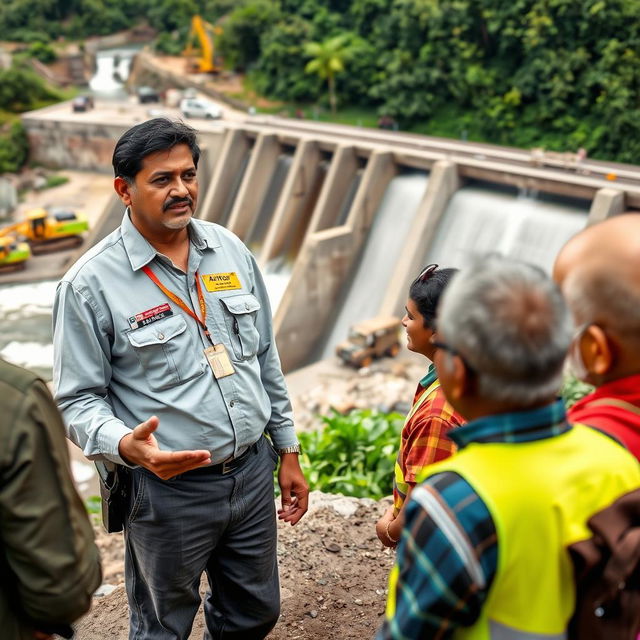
(426, 290)
(159, 134)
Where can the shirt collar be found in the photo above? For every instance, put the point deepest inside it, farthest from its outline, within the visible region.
(627, 388)
(519, 426)
(430, 378)
(140, 251)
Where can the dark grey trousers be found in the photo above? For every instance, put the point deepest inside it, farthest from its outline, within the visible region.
(223, 525)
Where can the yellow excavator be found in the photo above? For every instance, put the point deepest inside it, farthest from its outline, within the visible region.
(13, 254)
(49, 230)
(202, 58)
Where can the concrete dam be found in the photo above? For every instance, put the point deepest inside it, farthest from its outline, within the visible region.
(342, 218)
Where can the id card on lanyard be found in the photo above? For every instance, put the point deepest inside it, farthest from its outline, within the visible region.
(216, 354)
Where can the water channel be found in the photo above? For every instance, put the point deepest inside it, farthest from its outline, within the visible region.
(112, 71)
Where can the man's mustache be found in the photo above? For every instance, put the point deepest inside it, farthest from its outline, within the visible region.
(171, 201)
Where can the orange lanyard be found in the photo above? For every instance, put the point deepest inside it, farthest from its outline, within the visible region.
(174, 298)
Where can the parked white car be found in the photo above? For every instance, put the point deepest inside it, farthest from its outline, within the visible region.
(199, 108)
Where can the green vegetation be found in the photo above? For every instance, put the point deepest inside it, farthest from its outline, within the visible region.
(559, 74)
(327, 60)
(554, 73)
(14, 146)
(574, 390)
(353, 454)
(93, 505)
(21, 89)
(54, 181)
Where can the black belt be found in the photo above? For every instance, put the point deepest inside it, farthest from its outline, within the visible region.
(227, 466)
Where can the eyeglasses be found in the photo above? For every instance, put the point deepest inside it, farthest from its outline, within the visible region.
(425, 274)
(454, 352)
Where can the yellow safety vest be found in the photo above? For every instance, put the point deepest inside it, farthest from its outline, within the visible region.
(397, 470)
(540, 495)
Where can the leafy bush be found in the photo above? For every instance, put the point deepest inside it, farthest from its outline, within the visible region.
(14, 147)
(93, 505)
(42, 51)
(54, 180)
(22, 89)
(353, 454)
(574, 390)
(168, 44)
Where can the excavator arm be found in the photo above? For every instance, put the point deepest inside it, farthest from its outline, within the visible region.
(203, 32)
(18, 227)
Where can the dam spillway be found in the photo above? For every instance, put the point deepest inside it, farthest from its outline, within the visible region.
(341, 218)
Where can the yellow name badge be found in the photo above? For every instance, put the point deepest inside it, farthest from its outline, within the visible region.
(221, 281)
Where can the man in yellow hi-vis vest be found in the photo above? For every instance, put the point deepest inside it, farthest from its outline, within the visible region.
(483, 552)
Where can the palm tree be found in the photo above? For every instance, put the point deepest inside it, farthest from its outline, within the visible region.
(328, 59)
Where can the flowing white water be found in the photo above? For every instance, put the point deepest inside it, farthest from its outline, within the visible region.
(277, 274)
(479, 220)
(25, 318)
(112, 71)
(388, 234)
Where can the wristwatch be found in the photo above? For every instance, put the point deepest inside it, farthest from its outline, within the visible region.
(294, 448)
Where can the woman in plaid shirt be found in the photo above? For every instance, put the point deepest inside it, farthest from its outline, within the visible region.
(424, 437)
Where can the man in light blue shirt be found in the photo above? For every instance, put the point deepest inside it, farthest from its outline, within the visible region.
(165, 362)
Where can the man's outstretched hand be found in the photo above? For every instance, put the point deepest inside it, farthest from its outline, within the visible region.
(293, 489)
(140, 447)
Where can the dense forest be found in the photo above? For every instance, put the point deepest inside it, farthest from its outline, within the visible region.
(557, 73)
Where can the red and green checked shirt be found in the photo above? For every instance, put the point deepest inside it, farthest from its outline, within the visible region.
(424, 438)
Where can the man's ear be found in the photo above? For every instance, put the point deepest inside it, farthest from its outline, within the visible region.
(462, 382)
(597, 351)
(123, 189)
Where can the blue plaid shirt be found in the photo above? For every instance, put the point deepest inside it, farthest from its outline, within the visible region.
(436, 591)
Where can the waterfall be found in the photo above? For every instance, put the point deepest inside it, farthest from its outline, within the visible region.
(388, 233)
(520, 225)
(25, 317)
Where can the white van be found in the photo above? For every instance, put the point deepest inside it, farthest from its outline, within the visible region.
(199, 108)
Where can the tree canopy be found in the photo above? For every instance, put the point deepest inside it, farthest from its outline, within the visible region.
(555, 73)
(558, 73)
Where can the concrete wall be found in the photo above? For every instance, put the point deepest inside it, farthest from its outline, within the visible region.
(443, 183)
(298, 191)
(255, 184)
(323, 266)
(72, 145)
(342, 171)
(607, 203)
(234, 149)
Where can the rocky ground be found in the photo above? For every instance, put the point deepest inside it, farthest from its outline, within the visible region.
(333, 573)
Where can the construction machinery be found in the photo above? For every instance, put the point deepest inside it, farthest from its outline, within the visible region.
(49, 230)
(373, 338)
(202, 58)
(13, 254)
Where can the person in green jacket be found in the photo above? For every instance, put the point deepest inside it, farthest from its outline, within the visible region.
(49, 563)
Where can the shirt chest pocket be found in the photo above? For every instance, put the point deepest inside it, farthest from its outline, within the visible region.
(240, 319)
(166, 352)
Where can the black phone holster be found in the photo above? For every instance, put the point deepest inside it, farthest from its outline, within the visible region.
(115, 488)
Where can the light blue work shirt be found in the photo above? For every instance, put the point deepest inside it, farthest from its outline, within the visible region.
(113, 371)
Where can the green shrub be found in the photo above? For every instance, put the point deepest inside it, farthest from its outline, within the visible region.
(14, 147)
(42, 51)
(93, 505)
(353, 454)
(574, 390)
(54, 181)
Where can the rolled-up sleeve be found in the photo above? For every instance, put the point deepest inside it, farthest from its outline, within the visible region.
(82, 372)
(280, 425)
(47, 538)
